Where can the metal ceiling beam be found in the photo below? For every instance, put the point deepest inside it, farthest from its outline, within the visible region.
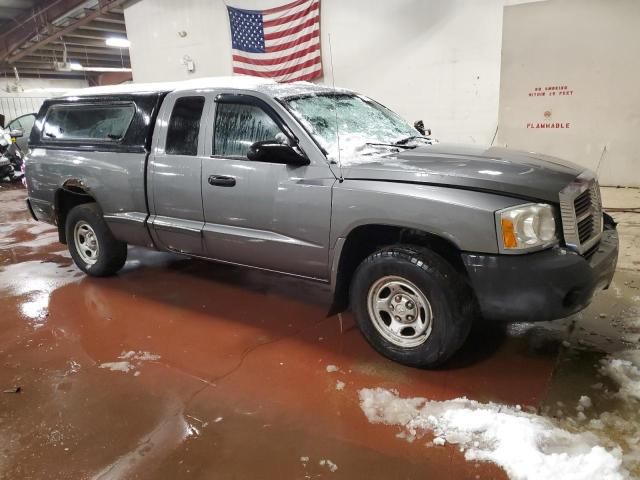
(42, 73)
(85, 42)
(107, 51)
(28, 62)
(103, 7)
(112, 18)
(89, 34)
(106, 27)
(50, 54)
(32, 21)
(50, 67)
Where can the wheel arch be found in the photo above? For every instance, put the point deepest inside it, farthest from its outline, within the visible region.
(363, 240)
(72, 193)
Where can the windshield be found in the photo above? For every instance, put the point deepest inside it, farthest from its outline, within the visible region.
(363, 124)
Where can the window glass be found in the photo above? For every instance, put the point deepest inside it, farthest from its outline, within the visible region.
(24, 123)
(184, 126)
(360, 122)
(88, 122)
(27, 123)
(238, 126)
(15, 125)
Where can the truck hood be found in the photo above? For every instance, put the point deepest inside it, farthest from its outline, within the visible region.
(501, 170)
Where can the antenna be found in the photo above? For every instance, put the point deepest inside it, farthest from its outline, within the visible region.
(335, 109)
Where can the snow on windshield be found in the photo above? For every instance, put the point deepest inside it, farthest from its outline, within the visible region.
(359, 122)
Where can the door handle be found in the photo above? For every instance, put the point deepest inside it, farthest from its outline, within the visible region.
(222, 181)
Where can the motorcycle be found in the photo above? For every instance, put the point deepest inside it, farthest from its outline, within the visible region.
(11, 158)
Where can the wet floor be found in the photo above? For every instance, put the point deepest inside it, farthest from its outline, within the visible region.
(178, 368)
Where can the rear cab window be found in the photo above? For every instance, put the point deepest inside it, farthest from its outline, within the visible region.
(184, 126)
(95, 123)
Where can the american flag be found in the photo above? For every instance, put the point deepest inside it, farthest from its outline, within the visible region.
(282, 43)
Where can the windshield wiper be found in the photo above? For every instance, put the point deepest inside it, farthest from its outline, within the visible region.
(393, 145)
(404, 141)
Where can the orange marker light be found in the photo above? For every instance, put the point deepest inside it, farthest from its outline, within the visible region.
(509, 239)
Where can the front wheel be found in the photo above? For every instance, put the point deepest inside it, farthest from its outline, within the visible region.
(411, 305)
(92, 246)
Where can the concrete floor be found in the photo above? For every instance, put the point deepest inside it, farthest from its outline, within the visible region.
(227, 375)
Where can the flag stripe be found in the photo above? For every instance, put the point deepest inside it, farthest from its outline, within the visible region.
(290, 31)
(308, 76)
(315, 34)
(292, 38)
(276, 60)
(278, 73)
(306, 73)
(290, 18)
(279, 53)
(278, 67)
(297, 9)
(281, 8)
(312, 15)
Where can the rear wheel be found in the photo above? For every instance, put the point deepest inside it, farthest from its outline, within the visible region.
(411, 305)
(93, 247)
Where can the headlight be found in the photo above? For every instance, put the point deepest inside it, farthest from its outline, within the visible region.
(526, 227)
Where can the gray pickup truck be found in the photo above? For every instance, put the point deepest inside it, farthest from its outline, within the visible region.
(419, 238)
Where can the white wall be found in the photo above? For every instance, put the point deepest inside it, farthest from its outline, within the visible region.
(31, 94)
(46, 83)
(437, 60)
(596, 56)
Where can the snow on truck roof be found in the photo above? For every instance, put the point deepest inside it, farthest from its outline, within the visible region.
(239, 82)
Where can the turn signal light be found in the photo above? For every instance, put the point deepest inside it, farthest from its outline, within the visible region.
(509, 239)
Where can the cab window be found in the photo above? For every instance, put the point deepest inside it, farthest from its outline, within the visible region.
(184, 126)
(24, 123)
(238, 126)
(104, 123)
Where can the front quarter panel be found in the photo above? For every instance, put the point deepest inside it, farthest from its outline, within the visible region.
(464, 217)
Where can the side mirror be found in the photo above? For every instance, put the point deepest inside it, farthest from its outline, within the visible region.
(271, 151)
(17, 133)
(419, 126)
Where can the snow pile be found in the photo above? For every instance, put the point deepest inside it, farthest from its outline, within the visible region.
(118, 366)
(329, 464)
(130, 361)
(526, 446)
(624, 369)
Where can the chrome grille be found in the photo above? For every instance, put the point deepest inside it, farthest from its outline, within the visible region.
(581, 213)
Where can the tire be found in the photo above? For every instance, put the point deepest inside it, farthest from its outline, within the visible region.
(412, 275)
(101, 258)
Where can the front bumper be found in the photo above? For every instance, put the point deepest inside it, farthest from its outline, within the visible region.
(541, 286)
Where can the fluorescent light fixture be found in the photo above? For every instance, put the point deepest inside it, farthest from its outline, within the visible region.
(79, 68)
(117, 42)
(105, 69)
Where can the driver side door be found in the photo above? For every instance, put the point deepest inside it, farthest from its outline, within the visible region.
(267, 215)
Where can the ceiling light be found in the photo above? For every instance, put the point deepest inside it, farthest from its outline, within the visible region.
(117, 42)
(106, 69)
(79, 68)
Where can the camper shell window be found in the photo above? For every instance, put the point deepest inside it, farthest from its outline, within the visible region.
(101, 123)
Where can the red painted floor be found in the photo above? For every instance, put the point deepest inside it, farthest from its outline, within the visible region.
(240, 388)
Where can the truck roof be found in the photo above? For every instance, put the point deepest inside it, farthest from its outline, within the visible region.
(240, 82)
